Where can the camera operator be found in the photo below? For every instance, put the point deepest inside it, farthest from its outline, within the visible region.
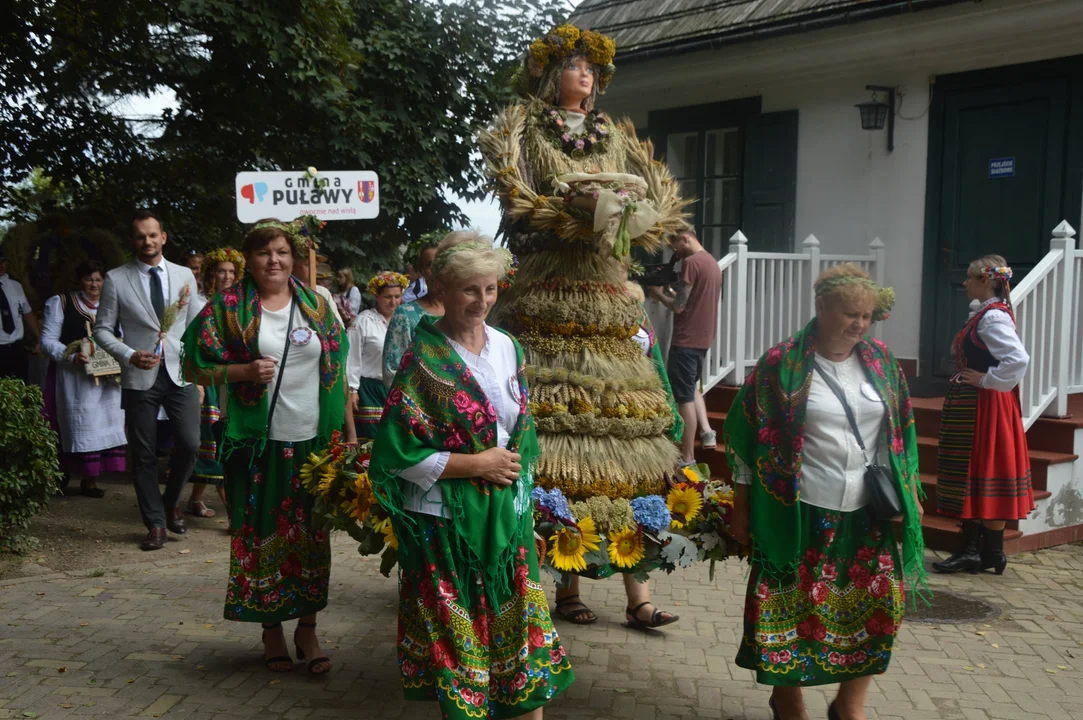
(694, 303)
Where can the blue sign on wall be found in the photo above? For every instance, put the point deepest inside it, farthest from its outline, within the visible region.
(1002, 167)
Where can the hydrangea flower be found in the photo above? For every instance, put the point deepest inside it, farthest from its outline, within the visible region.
(651, 512)
(553, 502)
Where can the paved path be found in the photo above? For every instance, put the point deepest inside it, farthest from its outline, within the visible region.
(148, 640)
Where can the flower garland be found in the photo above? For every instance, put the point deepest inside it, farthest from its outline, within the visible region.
(221, 255)
(1001, 273)
(509, 280)
(387, 278)
(568, 41)
(593, 138)
(301, 232)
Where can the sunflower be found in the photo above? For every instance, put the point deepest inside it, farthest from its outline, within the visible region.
(568, 546)
(684, 503)
(626, 547)
(389, 536)
(330, 472)
(689, 473)
(310, 470)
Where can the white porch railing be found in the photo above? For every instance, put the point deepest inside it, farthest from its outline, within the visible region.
(1047, 313)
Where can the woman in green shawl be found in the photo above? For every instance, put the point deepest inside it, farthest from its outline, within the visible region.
(452, 463)
(825, 596)
(279, 560)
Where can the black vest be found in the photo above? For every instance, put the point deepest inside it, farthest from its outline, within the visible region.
(75, 320)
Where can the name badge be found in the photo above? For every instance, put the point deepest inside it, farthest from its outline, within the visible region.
(301, 336)
(513, 385)
(870, 392)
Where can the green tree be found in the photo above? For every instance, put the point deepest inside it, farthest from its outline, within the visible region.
(395, 86)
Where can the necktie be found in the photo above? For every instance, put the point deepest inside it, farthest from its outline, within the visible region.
(157, 298)
(5, 311)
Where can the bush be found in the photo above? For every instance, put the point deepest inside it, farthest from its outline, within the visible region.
(29, 470)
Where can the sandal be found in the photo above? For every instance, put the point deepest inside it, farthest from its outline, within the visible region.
(656, 620)
(301, 653)
(274, 664)
(200, 509)
(708, 440)
(581, 615)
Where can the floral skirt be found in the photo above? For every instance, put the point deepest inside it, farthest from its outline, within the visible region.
(477, 660)
(279, 564)
(836, 617)
(371, 394)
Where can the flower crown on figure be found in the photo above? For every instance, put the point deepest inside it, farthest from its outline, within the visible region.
(301, 232)
(567, 41)
(388, 278)
(444, 256)
(885, 296)
(221, 255)
(1000, 273)
(425, 241)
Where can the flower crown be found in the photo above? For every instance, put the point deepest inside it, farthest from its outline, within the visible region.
(885, 296)
(387, 278)
(569, 41)
(423, 242)
(223, 254)
(301, 232)
(1002, 273)
(444, 256)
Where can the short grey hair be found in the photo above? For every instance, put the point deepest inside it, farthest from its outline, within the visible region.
(464, 254)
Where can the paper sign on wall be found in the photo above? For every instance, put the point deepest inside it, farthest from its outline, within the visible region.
(332, 195)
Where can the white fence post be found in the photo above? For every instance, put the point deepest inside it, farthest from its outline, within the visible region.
(739, 296)
(812, 247)
(1064, 240)
(879, 273)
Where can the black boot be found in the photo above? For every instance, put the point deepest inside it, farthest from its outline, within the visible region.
(992, 554)
(967, 558)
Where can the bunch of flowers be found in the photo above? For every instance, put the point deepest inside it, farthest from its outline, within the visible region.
(509, 279)
(689, 523)
(387, 278)
(338, 478)
(593, 137)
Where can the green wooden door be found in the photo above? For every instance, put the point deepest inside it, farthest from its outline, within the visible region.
(770, 183)
(1002, 167)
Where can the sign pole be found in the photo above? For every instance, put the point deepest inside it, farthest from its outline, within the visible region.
(311, 265)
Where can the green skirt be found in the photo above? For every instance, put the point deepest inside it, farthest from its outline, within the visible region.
(207, 469)
(371, 394)
(834, 618)
(476, 660)
(279, 562)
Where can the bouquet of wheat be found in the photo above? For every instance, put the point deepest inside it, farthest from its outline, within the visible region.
(169, 316)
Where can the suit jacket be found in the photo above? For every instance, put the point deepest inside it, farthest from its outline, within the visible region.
(124, 299)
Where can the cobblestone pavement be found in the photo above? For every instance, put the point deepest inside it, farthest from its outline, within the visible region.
(148, 640)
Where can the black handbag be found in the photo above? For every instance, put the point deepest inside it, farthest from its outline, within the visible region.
(884, 494)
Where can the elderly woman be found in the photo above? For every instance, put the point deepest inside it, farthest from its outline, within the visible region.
(221, 268)
(276, 345)
(452, 463)
(86, 414)
(825, 595)
(364, 366)
(400, 331)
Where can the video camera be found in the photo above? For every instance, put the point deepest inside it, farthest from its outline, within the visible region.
(659, 274)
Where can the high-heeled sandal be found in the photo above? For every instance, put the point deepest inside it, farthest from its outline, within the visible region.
(301, 653)
(280, 658)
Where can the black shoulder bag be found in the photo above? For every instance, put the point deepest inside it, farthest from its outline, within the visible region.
(885, 501)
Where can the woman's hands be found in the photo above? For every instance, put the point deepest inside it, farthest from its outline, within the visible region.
(970, 376)
(260, 371)
(498, 466)
(355, 401)
(79, 358)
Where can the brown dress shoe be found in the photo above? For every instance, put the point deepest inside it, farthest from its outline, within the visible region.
(154, 540)
(175, 522)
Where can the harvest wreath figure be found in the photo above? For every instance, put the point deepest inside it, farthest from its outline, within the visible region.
(577, 190)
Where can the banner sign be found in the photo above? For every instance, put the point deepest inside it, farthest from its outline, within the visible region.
(341, 195)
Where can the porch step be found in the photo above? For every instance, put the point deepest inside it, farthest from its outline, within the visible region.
(943, 533)
(929, 483)
(1040, 460)
(1049, 434)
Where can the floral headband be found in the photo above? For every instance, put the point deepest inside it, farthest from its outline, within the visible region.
(221, 255)
(301, 232)
(885, 296)
(569, 41)
(387, 279)
(1001, 273)
(444, 256)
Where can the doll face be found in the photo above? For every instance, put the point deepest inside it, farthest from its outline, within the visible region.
(576, 83)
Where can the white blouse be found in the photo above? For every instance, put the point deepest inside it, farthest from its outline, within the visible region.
(297, 414)
(997, 330)
(832, 464)
(365, 359)
(496, 370)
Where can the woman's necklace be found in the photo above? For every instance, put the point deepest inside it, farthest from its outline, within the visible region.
(593, 138)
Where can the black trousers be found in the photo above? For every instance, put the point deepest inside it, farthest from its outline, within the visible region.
(13, 360)
(141, 415)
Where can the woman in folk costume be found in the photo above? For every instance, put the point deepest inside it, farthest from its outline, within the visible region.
(453, 464)
(364, 365)
(983, 467)
(276, 345)
(825, 594)
(221, 269)
(577, 190)
(85, 413)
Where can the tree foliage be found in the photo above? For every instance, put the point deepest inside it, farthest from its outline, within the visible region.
(395, 86)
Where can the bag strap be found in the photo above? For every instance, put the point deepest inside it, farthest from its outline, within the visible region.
(834, 385)
(282, 365)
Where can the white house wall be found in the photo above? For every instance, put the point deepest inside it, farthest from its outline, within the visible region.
(850, 189)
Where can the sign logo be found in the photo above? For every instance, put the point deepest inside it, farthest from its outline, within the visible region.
(366, 190)
(333, 195)
(254, 192)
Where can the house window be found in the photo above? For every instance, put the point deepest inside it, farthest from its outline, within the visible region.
(707, 165)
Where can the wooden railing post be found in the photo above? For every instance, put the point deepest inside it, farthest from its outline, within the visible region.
(812, 247)
(1063, 240)
(739, 296)
(879, 274)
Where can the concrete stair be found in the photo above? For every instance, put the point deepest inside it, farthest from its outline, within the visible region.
(1051, 444)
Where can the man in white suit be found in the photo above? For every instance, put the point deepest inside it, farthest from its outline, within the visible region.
(136, 294)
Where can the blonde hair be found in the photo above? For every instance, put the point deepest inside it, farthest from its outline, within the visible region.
(466, 254)
(1001, 286)
(547, 87)
(348, 273)
(851, 283)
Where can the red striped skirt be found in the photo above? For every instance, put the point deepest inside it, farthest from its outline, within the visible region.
(982, 466)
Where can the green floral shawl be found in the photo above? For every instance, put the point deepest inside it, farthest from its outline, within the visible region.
(765, 429)
(226, 332)
(436, 404)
